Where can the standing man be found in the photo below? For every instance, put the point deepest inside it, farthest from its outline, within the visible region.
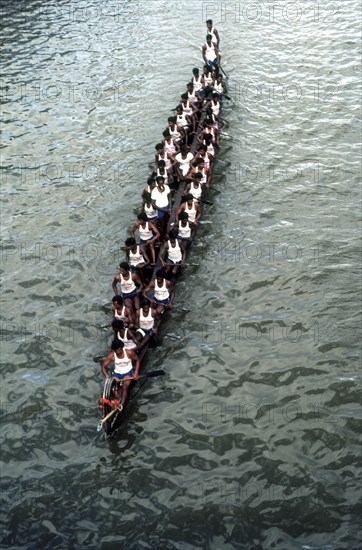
(214, 33)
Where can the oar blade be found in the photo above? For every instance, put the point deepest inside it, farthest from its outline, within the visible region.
(154, 373)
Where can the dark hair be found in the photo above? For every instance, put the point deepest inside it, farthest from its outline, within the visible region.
(146, 196)
(160, 273)
(209, 21)
(161, 164)
(202, 147)
(183, 216)
(184, 96)
(117, 344)
(188, 197)
(124, 265)
(171, 119)
(159, 146)
(160, 178)
(208, 37)
(172, 234)
(190, 84)
(130, 241)
(117, 324)
(198, 176)
(166, 133)
(195, 71)
(179, 108)
(118, 299)
(142, 216)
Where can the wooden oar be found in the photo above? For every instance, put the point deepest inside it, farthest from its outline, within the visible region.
(101, 422)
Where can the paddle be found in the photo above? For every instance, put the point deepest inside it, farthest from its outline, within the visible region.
(225, 75)
(101, 422)
(151, 374)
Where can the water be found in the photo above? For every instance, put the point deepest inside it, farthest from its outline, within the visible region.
(251, 438)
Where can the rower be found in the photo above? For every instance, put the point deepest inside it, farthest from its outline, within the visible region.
(183, 121)
(123, 367)
(162, 171)
(151, 183)
(171, 146)
(148, 208)
(220, 86)
(131, 287)
(161, 200)
(177, 133)
(215, 104)
(195, 187)
(148, 233)
(189, 109)
(191, 94)
(136, 255)
(120, 311)
(210, 129)
(163, 292)
(162, 154)
(200, 172)
(173, 253)
(184, 159)
(191, 207)
(185, 229)
(197, 79)
(125, 335)
(208, 142)
(146, 318)
(205, 155)
(210, 54)
(214, 33)
(209, 77)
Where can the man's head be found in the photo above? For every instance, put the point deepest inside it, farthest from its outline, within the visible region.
(117, 345)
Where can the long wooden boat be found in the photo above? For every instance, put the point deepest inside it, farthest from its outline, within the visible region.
(112, 419)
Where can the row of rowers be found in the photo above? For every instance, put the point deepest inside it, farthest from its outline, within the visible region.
(174, 162)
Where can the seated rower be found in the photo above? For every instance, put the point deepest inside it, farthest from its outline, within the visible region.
(162, 154)
(209, 143)
(205, 155)
(211, 130)
(163, 292)
(125, 335)
(146, 319)
(200, 173)
(148, 233)
(161, 200)
(210, 53)
(123, 368)
(220, 86)
(191, 94)
(191, 207)
(151, 183)
(214, 33)
(184, 121)
(189, 110)
(209, 77)
(162, 171)
(170, 145)
(131, 287)
(173, 253)
(215, 104)
(184, 159)
(197, 79)
(194, 188)
(185, 229)
(136, 255)
(120, 311)
(149, 210)
(177, 132)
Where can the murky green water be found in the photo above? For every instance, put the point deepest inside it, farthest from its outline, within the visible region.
(251, 439)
